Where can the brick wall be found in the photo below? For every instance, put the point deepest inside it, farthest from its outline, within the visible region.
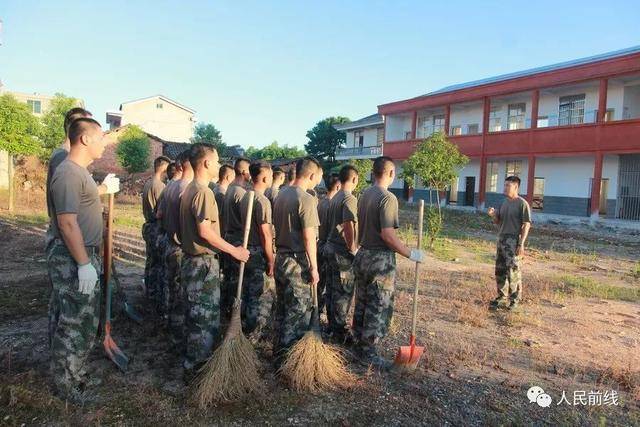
(109, 162)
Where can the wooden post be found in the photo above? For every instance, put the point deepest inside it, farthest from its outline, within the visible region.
(11, 184)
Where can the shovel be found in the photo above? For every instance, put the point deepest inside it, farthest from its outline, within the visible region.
(408, 357)
(110, 347)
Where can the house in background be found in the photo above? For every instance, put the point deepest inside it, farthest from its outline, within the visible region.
(364, 138)
(157, 115)
(570, 131)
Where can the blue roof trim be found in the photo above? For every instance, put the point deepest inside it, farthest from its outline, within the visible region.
(538, 70)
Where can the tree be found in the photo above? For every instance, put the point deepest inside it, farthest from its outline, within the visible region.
(364, 167)
(274, 151)
(324, 140)
(208, 134)
(19, 130)
(53, 122)
(436, 161)
(133, 150)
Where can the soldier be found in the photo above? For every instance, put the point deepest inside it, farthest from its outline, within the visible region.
(278, 179)
(260, 246)
(225, 178)
(200, 237)
(291, 175)
(151, 230)
(74, 259)
(233, 231)
(169, 214)
(171, 172)
(323, 230)
(341, 248)
(295, 217)
(374, 265)
(514, 219)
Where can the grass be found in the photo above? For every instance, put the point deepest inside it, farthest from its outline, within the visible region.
(444, 249)
(635, 270)
(587, 287)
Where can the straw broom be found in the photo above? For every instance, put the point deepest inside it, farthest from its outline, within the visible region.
(232, 371)
(312, 365)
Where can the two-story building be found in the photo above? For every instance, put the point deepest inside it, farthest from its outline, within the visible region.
(364, 138)
(570, 131)
(157, 115)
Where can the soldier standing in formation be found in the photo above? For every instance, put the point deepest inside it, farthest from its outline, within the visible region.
(374, 265)
(296, 222)
(333, 185)
(151, 231)
(278, 179)
(74, 259)
(200, 271)
(514, 220)
(342, 245)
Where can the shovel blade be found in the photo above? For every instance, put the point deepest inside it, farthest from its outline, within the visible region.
(115, 354)
(408, 357)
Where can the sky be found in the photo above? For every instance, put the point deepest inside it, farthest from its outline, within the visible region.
(264, 71)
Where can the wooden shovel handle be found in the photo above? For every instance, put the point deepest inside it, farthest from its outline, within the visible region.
(245, 240)
(108, 241)
(414, 314)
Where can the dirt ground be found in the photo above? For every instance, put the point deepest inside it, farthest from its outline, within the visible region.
(578, 330)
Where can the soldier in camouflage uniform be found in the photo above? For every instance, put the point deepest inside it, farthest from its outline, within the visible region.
(261, 261)
(200, 275)
(333, 185)
(295, 217)
(74, 260)
(151, 232)
(514, 219)
(375, 263)
(233, 231)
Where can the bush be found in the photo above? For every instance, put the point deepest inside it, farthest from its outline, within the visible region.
(133, 150)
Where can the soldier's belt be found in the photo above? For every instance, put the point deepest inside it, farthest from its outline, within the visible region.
(213, 255)
(91, 250)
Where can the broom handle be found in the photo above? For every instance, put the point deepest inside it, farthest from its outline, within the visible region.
(108, 253)
(414, 314)
(245, 241)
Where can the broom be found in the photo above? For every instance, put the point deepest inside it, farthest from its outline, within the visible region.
(312, 365)
(232, 371)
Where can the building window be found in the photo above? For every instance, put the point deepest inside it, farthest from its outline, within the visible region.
(495, 124)
(36, 106)
(159, 105)
(571, 110)
(514, 168)
(358, 139)
(438, 123)
(543, 121)
(537, 201)
(456, 130)
(492, 177)
(516, 115)
(473, 129)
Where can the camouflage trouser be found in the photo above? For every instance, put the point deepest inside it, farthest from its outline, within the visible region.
(230, 279)
(508, 272)
(73, 317)
(293, 300)
(253, 288)
(153, 262)
(340, 287)
(162, 246)
(200, 278)
(176, 298)
(322, 272)
(375, 275)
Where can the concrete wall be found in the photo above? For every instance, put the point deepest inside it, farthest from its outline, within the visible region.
(549, 103)
(631, 102)
(4, 170)
(396, 125)
(370, 138)
(170, 122)
(464, 115)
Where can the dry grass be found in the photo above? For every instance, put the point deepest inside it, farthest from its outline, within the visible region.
(312, 365)
(231, 373)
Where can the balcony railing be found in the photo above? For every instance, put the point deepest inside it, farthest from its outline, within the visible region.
(371, 151)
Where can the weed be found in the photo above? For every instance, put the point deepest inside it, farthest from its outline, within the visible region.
(587, 287)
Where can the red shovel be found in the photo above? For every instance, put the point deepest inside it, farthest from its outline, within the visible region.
(408, 357)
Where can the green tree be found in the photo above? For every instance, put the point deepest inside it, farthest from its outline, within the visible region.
(274, 151)
(436, 161)
(324, 140)
(53, 122)
(133, 150)
(364, 167)
(208, 134)
(19, 130)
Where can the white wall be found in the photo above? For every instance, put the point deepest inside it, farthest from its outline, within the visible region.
(170, 122)
(566, 176)
(397, 182)
(463, 116)
(471, 169)
(549, 103)
(631, 101)
(396, 126)
(610, 167)
(370, 138)
(503, 107)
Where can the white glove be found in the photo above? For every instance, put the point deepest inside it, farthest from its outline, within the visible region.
(112, 183)
(87, 278)
(416, 255)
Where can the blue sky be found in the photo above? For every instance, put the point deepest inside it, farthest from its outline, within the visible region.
(264, 71)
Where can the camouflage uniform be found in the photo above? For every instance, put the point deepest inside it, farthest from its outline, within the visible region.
(340, 287)
(201, 284)
(73, 317)
(293, 300)
(375, 274)
(229, 281)
(252, 289)
(176, 299)
(323, 273)
(150, 234)
(508, 273)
